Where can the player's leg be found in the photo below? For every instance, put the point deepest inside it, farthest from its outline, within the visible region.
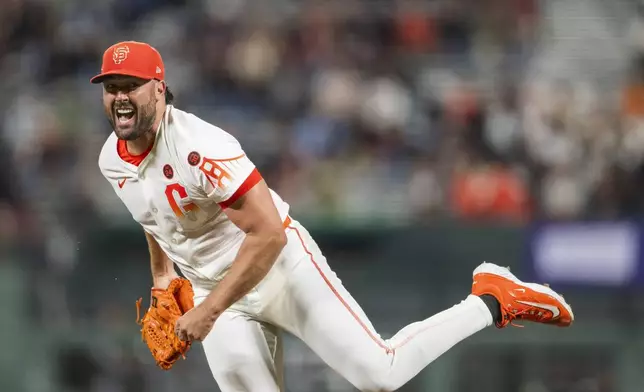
(244, 354)
(318, 309)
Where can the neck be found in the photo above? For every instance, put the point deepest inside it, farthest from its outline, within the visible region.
(140, 145)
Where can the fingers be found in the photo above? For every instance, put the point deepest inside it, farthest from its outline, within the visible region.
(181, 333)
(188, 331)
(184, 335)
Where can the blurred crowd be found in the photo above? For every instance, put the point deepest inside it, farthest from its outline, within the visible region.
(355, 111)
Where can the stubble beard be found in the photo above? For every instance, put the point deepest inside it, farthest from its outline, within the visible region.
(144, 118)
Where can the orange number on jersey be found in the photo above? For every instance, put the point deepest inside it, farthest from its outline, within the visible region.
(214, 172)
(169, 194)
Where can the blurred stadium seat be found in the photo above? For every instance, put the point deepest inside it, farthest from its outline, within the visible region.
(415, 138)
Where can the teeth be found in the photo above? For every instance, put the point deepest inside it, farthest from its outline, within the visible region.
(124, 111)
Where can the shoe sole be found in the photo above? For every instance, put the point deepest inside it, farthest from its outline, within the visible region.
(493, 269)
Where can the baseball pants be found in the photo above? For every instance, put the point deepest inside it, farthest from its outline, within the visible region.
(303, 296)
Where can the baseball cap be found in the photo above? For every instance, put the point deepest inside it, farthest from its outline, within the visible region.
(131, 58)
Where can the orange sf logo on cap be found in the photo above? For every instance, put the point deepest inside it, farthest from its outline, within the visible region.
(120, 54)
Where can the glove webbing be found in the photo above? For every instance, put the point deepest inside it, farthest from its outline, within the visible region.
(139, 321)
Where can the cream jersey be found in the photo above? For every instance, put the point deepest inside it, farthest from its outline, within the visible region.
(177, 192)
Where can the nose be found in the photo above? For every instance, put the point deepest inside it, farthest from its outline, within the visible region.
(121, 96)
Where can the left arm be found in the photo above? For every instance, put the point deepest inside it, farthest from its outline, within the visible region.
(236, 185)
(256, 215)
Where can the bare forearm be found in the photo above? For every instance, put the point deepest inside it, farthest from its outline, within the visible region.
(161, 266)
(255, 258)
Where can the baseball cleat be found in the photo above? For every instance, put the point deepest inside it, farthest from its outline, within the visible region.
(519, 300)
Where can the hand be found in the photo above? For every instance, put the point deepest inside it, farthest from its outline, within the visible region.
(195, 324)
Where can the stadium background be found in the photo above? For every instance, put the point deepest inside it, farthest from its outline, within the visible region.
(414, 138)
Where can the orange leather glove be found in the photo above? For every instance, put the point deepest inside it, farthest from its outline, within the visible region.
(158, 323)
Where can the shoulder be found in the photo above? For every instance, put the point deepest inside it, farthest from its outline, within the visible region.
(108, 159)
(192, 134)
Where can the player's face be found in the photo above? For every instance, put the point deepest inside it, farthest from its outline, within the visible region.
(130, 105)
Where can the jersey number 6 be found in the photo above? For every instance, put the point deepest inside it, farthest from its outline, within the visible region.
(181, 191)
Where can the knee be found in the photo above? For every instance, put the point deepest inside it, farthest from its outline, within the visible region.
(245, 378)
(243, 373)
(376, 385)
(230, 373)
(374, 379)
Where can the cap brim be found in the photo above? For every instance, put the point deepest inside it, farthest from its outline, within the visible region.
(100, 77)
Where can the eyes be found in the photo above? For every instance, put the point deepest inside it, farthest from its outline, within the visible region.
(113, 88)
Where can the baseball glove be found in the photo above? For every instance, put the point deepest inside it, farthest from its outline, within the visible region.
(166, 306)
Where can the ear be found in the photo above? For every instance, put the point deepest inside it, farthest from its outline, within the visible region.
(160, 88)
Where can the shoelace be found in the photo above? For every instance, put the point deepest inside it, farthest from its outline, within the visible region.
(517, 315)
(513, 314)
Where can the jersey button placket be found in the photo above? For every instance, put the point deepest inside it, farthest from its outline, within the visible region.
(146, 194)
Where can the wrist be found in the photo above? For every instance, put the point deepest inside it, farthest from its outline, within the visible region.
(164, 275)
(211, 308)
(162, 281)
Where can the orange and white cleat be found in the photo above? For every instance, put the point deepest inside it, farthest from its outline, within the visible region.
(521, 301)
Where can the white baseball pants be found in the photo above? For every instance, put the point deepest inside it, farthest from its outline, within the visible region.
(304, 297)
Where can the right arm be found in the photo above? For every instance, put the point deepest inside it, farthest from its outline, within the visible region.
(160, 264)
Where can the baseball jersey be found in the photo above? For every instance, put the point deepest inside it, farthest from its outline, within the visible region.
(178, 189)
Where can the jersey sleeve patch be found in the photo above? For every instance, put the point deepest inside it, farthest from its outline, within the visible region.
(225, 180)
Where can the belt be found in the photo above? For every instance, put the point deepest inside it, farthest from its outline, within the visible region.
(287, 222)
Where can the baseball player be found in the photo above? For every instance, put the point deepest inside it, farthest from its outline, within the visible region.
(255, 269)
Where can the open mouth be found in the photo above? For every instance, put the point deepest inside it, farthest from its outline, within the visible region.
(124, 116)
